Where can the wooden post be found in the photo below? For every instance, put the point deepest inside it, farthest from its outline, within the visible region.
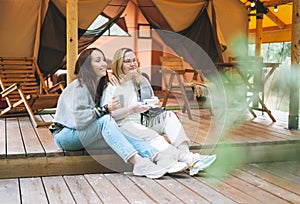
(72, 37)
(260, 10)
(258, 42)
(135, 37)
(295, 66)
(258, 39)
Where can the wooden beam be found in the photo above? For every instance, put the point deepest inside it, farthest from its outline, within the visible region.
(270, 3)
(270, 36)
(275, 19)
(272, 29)
(295, 69)
(273, 3)
(60, 165)
(72, 37)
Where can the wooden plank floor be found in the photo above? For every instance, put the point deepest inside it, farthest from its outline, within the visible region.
(276, 182)
(34, 170)
(28, 151)
(19, 138)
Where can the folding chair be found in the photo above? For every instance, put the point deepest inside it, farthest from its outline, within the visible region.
(174, 67)
(251, 70)
(24, 88)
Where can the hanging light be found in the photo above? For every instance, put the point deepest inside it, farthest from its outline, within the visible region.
(252, 4)
(275, 8)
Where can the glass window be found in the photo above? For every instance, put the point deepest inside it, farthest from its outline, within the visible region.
(100, 23)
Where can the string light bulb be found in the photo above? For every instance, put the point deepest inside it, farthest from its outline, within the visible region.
(252, 4)
(275, 9)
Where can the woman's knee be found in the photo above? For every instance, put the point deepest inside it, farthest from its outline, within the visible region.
(57, 142)
(104, 121)
(67, 141)
(105, 118)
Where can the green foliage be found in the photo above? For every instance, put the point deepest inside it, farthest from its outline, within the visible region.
(273, 52)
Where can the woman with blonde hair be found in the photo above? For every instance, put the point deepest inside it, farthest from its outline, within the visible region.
(133, 89)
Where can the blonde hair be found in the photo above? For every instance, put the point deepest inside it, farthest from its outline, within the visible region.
(117, 66)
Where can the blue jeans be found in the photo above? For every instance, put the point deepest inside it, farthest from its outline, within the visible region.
(99, 134)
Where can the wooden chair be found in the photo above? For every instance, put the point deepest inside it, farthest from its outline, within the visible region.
(174, 67)
(24, 88)
(251, 70)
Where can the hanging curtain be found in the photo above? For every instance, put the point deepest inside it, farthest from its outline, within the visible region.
(172, 16)
(52, 49)
(53, 40)
(192, 38)
(112, 11)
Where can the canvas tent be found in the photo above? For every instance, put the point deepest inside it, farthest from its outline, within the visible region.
(37, 27)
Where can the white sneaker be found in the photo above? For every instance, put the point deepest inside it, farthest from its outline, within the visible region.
(168, 159)
(201, 163)
(176, 167)
(147, 168)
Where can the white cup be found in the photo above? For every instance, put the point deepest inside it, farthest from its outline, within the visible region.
(150, 101)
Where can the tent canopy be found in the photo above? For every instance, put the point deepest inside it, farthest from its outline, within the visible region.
(39, 25)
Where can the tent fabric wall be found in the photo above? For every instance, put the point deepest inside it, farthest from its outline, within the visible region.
(186, 12)
(112, 11)
(206, 39)
(213, 38)
(53, 39)
(232, 23)
(88, 10)
(24, 34)
(36, 34)
(153, 15)
(20, 27)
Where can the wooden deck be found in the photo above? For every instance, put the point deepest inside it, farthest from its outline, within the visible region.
(26, 151)
(258, 162)
(255, 183)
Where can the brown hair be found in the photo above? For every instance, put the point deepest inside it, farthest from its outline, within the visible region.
(86, 75)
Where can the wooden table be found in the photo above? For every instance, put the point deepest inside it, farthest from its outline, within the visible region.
(255, 81)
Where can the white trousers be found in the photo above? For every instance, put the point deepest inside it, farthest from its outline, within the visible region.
(140, 131)
(166, 123)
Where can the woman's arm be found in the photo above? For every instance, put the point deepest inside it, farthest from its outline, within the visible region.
(116, 111)
(121, 113)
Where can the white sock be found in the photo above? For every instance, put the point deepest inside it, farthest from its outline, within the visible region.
(185, 154)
